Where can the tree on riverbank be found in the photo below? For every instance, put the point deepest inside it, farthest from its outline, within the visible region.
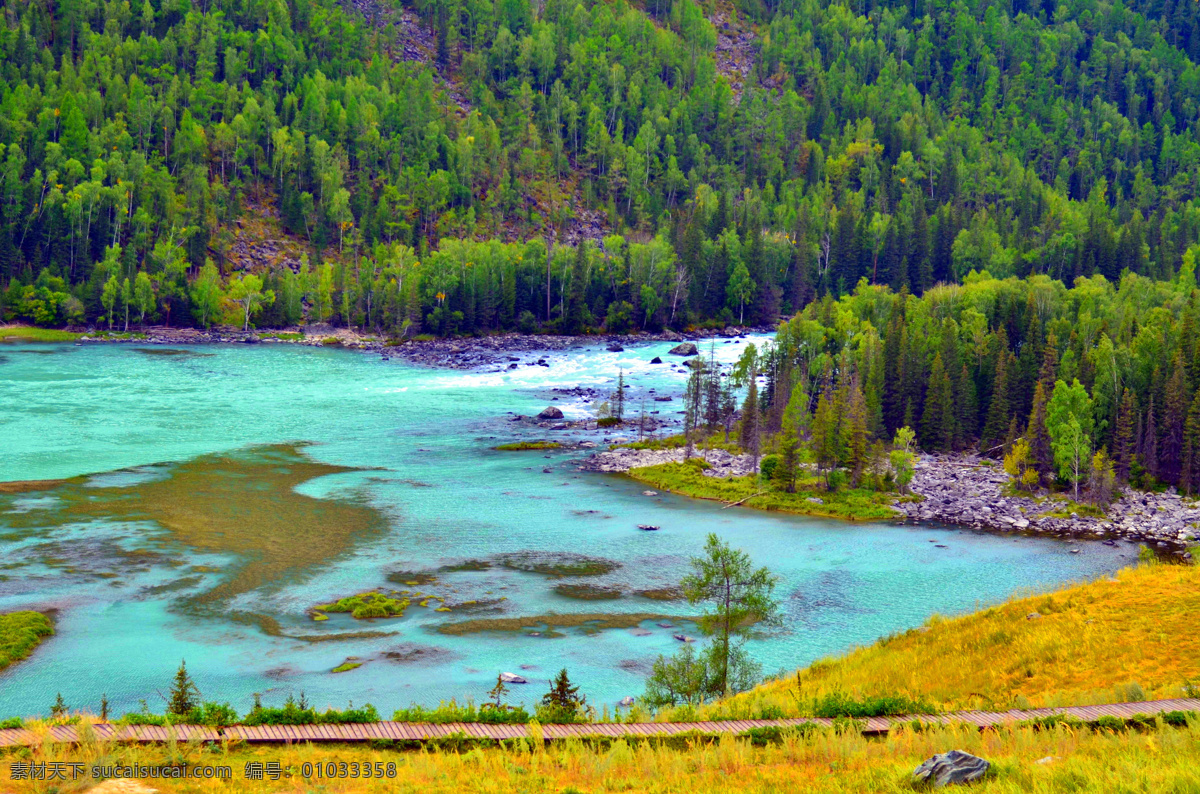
(740, 605)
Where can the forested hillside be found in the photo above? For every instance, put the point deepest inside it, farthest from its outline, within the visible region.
(468, 166)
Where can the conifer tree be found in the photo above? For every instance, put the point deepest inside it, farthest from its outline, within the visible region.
(618, 398)
(1150, 443)
(937, 423)
(184, 694)
(1171, 451)
(854, 426)
(1123, 442)
(748, 433)
(998, 416)
(826, 435)
(1041, 454)
(966, 402)
(1189, 481)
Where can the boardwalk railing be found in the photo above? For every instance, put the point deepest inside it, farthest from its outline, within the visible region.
(420, 731)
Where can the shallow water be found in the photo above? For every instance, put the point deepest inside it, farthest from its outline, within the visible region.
(215, 497)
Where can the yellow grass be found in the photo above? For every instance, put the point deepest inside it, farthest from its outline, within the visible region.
(1129, 638)
(1082, 760)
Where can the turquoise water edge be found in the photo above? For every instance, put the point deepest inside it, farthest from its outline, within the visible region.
(413, 450)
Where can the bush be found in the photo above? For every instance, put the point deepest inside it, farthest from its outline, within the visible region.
(527, 323)
(12, 722)
(300, 713)
(768, 466)
(607, 421)
(839, 704)
(489, 714)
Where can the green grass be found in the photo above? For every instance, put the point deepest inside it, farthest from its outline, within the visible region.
(284, 336)
(20, 633)
(365, 606)
(1063, 507)
(689, 480)
(30, 333)
(519, 446)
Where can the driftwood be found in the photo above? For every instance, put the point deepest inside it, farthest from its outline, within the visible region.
(739, 501)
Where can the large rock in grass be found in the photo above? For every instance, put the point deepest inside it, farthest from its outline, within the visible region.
(684, 349)
(550, 412)
(952, 768)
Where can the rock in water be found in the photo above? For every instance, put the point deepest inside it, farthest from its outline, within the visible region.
(615, 347)
(656, 360)
(626, 701)
(951, 768)
(550, 412)
(512, 678)
(684, 349)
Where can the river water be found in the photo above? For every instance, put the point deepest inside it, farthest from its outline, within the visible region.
(215, 495)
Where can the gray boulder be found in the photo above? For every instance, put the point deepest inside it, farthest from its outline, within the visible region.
(512, 678)
(656, 360)
(626, 701)
(550, 412)
(615, 347)
(684, 349)
(951, 768)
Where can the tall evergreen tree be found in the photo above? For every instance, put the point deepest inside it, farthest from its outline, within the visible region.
(996, 425)
(937, 423)
(1123, 441)
(1189, 480)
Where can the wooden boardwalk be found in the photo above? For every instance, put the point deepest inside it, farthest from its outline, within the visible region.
(419, 731)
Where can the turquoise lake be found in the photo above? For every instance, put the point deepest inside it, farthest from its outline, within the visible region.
(140, 577)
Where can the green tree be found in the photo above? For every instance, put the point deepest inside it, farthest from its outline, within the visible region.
(789, 462)
(740, 603)
(562, 703)
(748, 433)
(184, 696)
(903, 459)
(207, 294)
(109, 298)
(1069, 420)
(937, 423)
(143, 296)
(247, 292)
(126, 300)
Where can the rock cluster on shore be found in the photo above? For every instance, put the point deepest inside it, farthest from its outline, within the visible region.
(970, 491)
(723, 464)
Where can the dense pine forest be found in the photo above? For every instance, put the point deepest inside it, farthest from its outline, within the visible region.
(1079, 388)
(469, 166)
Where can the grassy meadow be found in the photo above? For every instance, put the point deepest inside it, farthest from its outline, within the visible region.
(1131, 637)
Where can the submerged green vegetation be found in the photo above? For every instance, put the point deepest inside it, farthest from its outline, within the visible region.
(365, 606)
(519, 446)
(20, 634)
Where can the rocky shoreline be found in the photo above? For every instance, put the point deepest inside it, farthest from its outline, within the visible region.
(969, 491)
(724, 464)
(502, 351)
